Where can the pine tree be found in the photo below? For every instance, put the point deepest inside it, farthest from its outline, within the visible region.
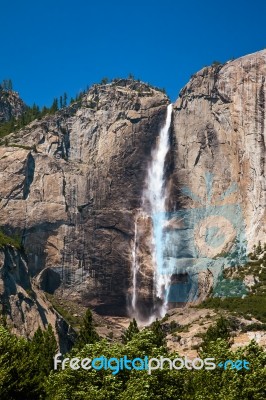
(259, 248)
(25, 365)
(43, 346)
(87, 333)
(157, 329)
(65, 100)
(220, 330)
(44, 111)
(104, 81)
(130, 332)
(54, 106)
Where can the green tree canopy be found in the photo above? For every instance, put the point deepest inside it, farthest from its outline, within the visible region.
(87, 333)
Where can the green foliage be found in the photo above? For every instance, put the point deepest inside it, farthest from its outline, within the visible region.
(34, 112)
(25, 365)
(165, 318)
(259, 248)
(64, 99)
(29, 115)
(174, 326)
(255, 326)
(26, 370)
(104, 81)
(63, 309)
(6, 240)
(163, 384)
(44, 346)
(257, 251)
(254, 305)
(31, 293)
(231, 384)
(214, 332)
(216, 63)
(20, 146)
(158, 332)
(182, 328)
(130, 332)
(87, 333)
(102, 384)
(54, 106)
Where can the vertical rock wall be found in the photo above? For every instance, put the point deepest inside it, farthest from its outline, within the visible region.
(75, 197)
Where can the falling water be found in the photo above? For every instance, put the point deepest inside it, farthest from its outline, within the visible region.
(134, 270)
(153, 201)
(155, 195)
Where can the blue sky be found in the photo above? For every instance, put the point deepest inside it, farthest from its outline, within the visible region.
(50, 47)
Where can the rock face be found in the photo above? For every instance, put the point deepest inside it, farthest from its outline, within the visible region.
(72, 185)
(74, 198)
(192, 324)
(219, 128)
(23, 306)
(10, 105)
(217, 186)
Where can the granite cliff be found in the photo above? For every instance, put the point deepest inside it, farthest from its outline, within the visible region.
(72, 183)
(219, 124)
(218, 155)
(73, 197)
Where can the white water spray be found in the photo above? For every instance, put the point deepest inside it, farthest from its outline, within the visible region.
(155, 195)
(153, 202)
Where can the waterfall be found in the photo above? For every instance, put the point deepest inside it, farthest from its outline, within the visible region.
(153, 208)
(154, 196)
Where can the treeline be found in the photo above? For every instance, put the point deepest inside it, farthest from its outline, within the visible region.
(25, 365)
(6, 240)
(107, 80)
(26, 368)
(34, 112)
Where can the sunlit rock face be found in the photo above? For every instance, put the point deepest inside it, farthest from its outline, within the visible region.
(220, 128)
(74, 197)
(218, 153)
